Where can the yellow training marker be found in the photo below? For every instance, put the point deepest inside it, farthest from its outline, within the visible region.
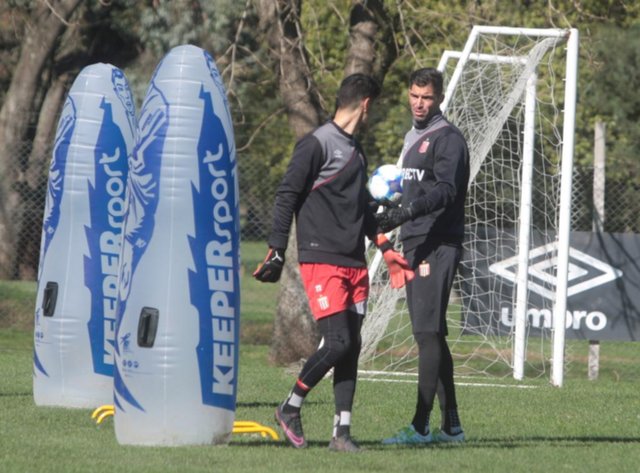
(239, 427)
(102, 412)
(245, 427)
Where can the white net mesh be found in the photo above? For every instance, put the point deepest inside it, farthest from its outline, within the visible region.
(488, 105)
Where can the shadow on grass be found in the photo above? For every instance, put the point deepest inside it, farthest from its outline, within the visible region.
(28, 393)
(376, 446)
(249, 405)
(561, 442)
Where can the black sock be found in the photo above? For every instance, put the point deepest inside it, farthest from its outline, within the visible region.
(429, 356)
(451, 421)
(420, 422)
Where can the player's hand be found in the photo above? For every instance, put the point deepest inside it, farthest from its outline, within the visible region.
(393, 217)
(271, 268)
(390, 204)
(399, 271)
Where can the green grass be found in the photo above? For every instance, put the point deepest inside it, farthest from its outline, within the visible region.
(582, 427)
(17, 301)
(258, 300)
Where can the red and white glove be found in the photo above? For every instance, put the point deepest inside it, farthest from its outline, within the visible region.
(399, 271)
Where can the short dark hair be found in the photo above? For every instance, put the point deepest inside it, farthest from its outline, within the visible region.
(427, 76)
(355, 88)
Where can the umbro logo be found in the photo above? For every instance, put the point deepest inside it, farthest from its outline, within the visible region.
(585, 272)
(338, 154)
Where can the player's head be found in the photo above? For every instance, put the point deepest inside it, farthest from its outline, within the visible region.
(356, 88)
(425, 93)
(427, 76)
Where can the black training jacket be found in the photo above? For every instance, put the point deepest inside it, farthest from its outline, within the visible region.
(325, 188)
(435, 175)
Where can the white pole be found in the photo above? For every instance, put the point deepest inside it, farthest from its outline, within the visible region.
(455, 77)
(495, 58)
(599, 156)
(537, 32)
(520, 312)
(560, 308)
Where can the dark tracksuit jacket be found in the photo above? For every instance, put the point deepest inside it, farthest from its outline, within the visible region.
(435, 167)
(325, 188)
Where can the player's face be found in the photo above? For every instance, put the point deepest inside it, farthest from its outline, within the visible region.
(424, 102)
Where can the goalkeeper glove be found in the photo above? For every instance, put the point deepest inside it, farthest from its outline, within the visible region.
(271, 268)
(394, 217)
(399, 271)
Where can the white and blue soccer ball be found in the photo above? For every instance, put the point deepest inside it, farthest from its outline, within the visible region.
(385, 184)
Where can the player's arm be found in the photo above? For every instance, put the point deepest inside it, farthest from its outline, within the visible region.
(449, 167)
(297, 182)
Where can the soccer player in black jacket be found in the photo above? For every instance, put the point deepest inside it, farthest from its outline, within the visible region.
(435, 166)
(325, 188)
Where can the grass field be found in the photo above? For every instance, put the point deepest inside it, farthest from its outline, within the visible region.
(582, 427)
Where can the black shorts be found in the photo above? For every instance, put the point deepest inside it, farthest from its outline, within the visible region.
(428, 293)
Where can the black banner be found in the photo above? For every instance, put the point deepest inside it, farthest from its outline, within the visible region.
(603, 289)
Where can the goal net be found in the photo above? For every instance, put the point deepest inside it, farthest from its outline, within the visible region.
(506, 91)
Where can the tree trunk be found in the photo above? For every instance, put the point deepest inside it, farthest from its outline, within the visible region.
(279, 19)
(16, 117)
(32, 183)
(295, 333)
(372, 46)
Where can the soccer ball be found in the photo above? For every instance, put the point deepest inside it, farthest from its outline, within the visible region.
(385, 184)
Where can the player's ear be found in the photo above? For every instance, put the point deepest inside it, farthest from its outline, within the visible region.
(365, 103)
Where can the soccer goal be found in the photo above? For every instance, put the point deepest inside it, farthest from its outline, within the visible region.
(512, 93)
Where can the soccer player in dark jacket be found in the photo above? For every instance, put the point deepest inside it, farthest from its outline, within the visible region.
(435, 166)
(324, 187)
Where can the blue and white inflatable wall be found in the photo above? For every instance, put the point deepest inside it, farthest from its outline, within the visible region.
(75, 317)
(179, 296)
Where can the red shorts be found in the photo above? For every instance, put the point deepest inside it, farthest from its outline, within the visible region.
(331, 289)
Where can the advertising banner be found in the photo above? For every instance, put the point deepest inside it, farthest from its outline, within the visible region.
(603, 290)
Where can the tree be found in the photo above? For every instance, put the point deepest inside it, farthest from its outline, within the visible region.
(60, 38)
(20, 103)
(295, 335)
(47, 45)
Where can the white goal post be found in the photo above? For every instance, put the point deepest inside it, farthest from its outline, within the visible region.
(507, 94)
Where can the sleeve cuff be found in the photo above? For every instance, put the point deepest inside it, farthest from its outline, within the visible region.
(278, 241)
(383, 243)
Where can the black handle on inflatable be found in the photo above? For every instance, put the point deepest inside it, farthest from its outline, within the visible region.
(147, 326)
(49, 299)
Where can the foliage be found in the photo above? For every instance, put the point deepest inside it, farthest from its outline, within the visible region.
(616, 68)
(140, 33)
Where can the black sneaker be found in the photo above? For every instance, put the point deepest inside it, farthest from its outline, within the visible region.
(291, 425)
(344, 444)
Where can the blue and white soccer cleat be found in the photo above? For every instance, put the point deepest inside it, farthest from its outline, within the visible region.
(457, 435)
(408, 436)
